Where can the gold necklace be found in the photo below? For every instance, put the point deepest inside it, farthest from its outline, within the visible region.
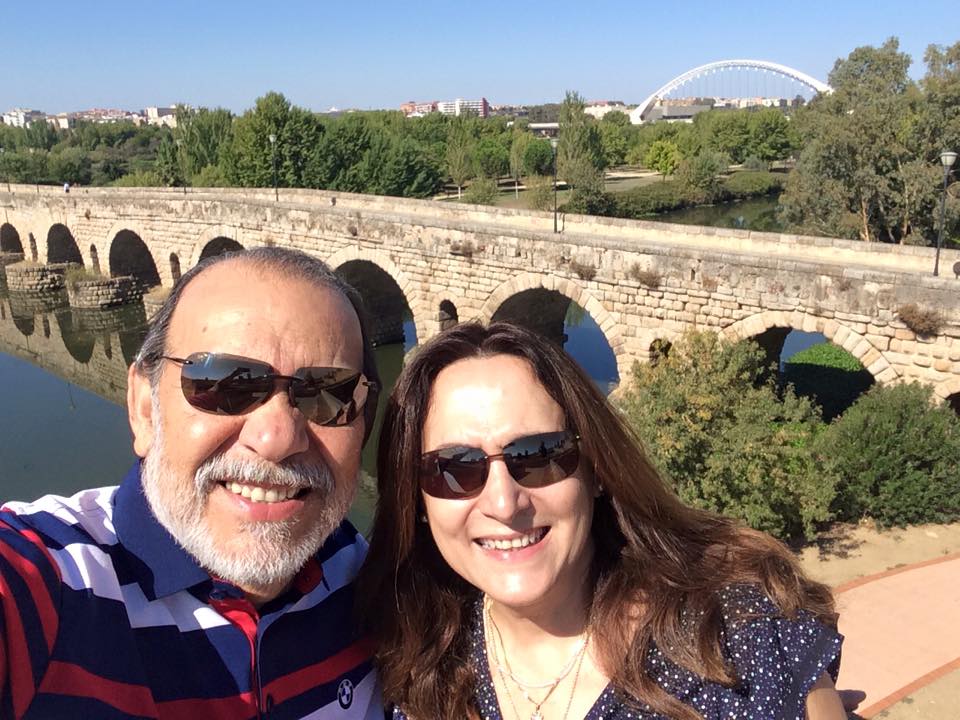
(505, 671)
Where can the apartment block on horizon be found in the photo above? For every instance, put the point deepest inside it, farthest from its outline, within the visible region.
(21, 117)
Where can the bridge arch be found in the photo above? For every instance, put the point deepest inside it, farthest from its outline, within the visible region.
(129, 255)
(199, 250)
(949, 392)
(638, 115)
(850, 340)
(382, 261)
(219, 245)
(10, 239)
(571, 290)
(61, 245)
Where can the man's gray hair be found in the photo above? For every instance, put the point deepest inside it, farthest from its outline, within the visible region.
(284, 262)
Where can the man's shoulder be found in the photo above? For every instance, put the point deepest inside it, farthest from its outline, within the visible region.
(86, 517)
(342, 554)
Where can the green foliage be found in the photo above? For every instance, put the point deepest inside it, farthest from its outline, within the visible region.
(868, 164)
(755, 163)
(538, 158)
(76, 274)
(492, 158)
(752, 183)
(726, 439)
(663, 156)
(700, 175)
(518, 150)
(71, 165)
(895, 455)
(210, 176)
(483, 191)
(170, 163)
(613, 141)
(540, 192)
(205, 134)
(580, 149)
(140, 178)
(616, 117)
(828, 375)
(459, 156)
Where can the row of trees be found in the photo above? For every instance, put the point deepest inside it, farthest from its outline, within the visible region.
(868, 166)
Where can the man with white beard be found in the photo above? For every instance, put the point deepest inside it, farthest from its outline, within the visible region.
(216, 580)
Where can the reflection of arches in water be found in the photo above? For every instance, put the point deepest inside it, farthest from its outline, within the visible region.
(129, 255)
(448, 315)
(174, 267)
(45, 321)
(33, 246)
(954, 402)
(94, 259)
(78, 342)
(4, 288)
(385, 304)
(10, 239)
(132, 330)
(107, 345)
(218, 246)
(23, 323)
(61, 246)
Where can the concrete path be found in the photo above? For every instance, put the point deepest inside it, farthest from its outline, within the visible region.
(902, 630)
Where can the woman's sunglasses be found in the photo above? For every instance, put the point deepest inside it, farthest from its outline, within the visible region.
(533, 461)
(231, 385)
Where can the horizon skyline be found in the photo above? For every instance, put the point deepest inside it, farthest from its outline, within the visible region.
(378, 56)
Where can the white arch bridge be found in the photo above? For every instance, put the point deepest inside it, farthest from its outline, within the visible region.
(639, 115)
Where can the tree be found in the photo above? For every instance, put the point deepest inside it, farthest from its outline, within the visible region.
(459, 157)
(518, 150)
(616, 117)
(770, 136)
(866, 170)
(71, 165)
(700, 175)
(169, 164)
(580, 149)
(726, 439)
(538, 158)
(492, 158)
(204, 134)
(664, 157)
(613, 142)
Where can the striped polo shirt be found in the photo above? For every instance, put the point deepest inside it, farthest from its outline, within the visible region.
(103, 615)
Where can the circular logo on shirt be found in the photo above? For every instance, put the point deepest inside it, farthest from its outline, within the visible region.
(345, 694)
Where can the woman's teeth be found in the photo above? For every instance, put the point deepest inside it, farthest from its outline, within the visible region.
(255, 493)
(514, 543)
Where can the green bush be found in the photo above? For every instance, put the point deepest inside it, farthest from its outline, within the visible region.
(75, 274)
(482, 191)
(140, 178)
(752, 183)
(540, 192)
(896, 457)
(828, 375)
(726, 439)
(651, 199)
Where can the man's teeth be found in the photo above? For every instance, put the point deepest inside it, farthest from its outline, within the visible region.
(514, 544)
(255, 493)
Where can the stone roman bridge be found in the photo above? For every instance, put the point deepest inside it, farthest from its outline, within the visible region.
(643, 283)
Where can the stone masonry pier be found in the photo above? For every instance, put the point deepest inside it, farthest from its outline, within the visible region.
(642, 282)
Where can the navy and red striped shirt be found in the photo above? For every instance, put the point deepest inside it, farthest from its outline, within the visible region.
(103, 615)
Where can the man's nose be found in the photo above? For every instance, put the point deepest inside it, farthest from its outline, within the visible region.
(275, 430)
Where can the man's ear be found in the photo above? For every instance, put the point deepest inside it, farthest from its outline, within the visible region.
(140, 410)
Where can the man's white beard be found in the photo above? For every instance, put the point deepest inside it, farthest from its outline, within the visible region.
(261, 554)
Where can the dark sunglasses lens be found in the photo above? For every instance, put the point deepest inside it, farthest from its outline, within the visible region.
(542, 459)
(224, 384)
(451, 473)
(330, 396)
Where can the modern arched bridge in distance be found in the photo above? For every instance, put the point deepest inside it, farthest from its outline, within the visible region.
(639, 115)
(644, 283)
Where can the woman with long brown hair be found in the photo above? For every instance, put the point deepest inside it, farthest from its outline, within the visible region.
(527, 561)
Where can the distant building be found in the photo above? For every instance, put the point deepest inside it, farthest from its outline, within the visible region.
(599, 108)
(480, 108)
(62, 121)
(161, 116)
(21, 117)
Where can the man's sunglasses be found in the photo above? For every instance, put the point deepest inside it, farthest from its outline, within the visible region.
(232, 385)
(533, 461)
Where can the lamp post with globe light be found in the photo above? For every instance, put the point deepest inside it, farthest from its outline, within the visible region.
(947, 159)
(553, 145)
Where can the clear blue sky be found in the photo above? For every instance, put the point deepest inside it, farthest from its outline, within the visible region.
(59, 56)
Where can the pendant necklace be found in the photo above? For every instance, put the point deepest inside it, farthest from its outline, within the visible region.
(506, 672)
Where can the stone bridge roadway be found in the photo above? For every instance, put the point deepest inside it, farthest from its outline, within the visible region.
(644, 283)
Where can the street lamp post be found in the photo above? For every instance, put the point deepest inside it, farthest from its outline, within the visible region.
(553, 144)
(273, 147)
(947, 158)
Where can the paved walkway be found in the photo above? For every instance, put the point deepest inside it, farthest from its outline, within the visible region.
(902, 630)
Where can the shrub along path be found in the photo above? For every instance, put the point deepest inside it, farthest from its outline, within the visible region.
(902, 624)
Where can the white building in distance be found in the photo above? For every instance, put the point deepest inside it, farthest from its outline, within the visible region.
(21, 117)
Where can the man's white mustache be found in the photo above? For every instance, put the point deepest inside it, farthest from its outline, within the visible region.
(294, 474)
